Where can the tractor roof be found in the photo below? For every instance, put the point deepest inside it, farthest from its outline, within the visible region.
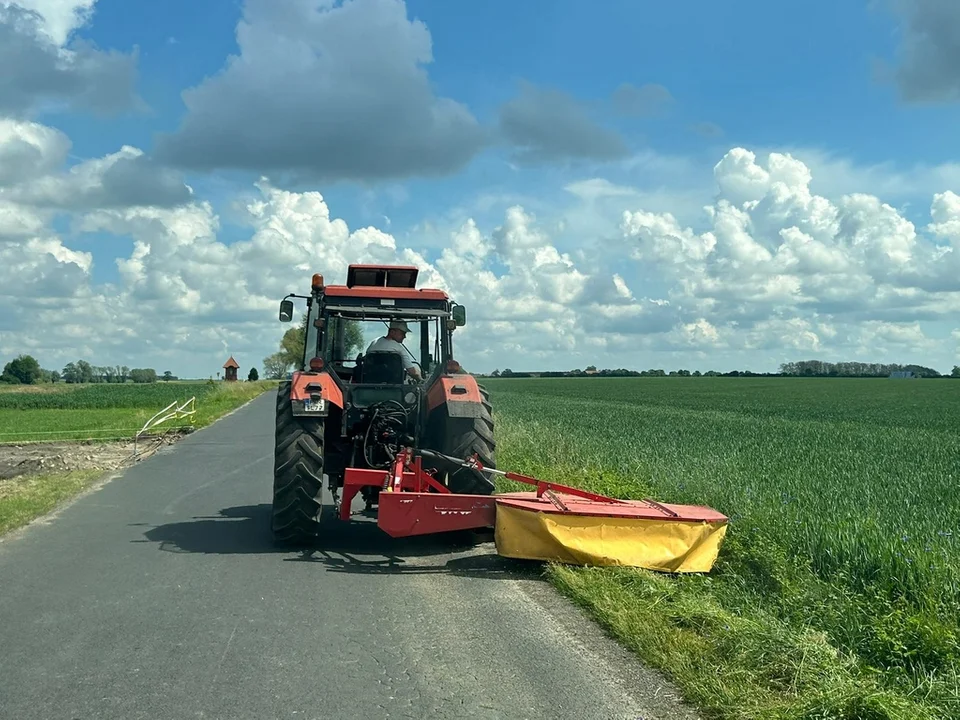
(397, 282)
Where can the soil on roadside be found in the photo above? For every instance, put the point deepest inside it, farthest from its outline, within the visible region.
(29, 459)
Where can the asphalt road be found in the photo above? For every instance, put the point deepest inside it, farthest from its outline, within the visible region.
(159, 595)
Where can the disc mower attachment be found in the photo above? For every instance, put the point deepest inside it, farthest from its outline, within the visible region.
(567, 525)
(554, 522)
(564, 528)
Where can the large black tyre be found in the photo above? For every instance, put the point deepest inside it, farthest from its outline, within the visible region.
(462, 438)
(297, 475)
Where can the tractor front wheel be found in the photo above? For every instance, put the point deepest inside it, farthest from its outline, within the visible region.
(297, 475)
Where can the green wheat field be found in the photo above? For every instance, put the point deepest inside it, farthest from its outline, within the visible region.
(48, 413)
(837, 591)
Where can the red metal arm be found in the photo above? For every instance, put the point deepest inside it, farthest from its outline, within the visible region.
(543, 485)
(406, 474)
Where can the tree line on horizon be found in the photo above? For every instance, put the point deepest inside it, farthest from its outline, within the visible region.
(819, 368)
(26, 370)
(802, 368)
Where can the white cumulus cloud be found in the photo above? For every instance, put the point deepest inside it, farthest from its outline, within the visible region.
(773, 272)
(32, 174)
(58, 18)
(45, 68)
(356, 71)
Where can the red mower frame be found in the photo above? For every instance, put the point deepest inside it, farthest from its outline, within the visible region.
(413, 502)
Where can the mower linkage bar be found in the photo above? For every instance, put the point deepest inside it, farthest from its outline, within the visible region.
(542, 486)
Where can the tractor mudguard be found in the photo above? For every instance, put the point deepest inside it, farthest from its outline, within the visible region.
(312, 394)
(460, 393)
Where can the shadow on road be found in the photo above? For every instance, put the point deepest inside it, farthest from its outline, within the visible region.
(347, 547)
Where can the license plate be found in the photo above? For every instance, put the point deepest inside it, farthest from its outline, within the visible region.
(314, 405)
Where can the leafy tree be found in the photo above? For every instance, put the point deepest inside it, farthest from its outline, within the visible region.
(25, 369)
(85, 370)
(352, 338)
(956, 371)
(143, 375)
(70, 373)
(293, 343)
(167, 375)
(253, 375)
(275, 366)
(49, 376)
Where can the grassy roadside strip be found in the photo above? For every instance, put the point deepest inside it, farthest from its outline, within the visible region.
(760, 636)
(22, 500)
(227, 398)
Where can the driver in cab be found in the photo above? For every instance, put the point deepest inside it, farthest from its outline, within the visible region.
(393, 342)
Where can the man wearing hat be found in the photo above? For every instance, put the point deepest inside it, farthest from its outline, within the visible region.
(393, 342)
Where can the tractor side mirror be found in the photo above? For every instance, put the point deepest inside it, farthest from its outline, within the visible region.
(459, 315)
(286, 310)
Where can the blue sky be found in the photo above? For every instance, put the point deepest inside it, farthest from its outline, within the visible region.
(763, 74)
(860, 92)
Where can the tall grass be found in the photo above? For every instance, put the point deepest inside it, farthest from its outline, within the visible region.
(844, 513)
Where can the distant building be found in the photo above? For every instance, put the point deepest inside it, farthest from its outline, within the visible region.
(902, 374)
(230, 368)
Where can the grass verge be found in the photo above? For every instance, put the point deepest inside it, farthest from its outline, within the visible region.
(228, 397)
(25, 499)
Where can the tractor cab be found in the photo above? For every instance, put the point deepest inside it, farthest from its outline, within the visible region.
(343, 321)
(379, 328)
(379, 337)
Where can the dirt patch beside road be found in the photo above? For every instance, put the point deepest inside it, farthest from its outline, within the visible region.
(22, 461)
(18, 461)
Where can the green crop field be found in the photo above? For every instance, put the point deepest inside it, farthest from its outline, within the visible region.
(73, 412)
(837, 591)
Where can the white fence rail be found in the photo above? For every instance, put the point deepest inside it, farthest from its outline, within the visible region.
(27, 436)
(173, 411)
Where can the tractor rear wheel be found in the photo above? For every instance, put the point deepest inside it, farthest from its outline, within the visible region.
(297, 475)
(464, 437)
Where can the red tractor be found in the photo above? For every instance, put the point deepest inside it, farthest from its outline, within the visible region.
(352, 416)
